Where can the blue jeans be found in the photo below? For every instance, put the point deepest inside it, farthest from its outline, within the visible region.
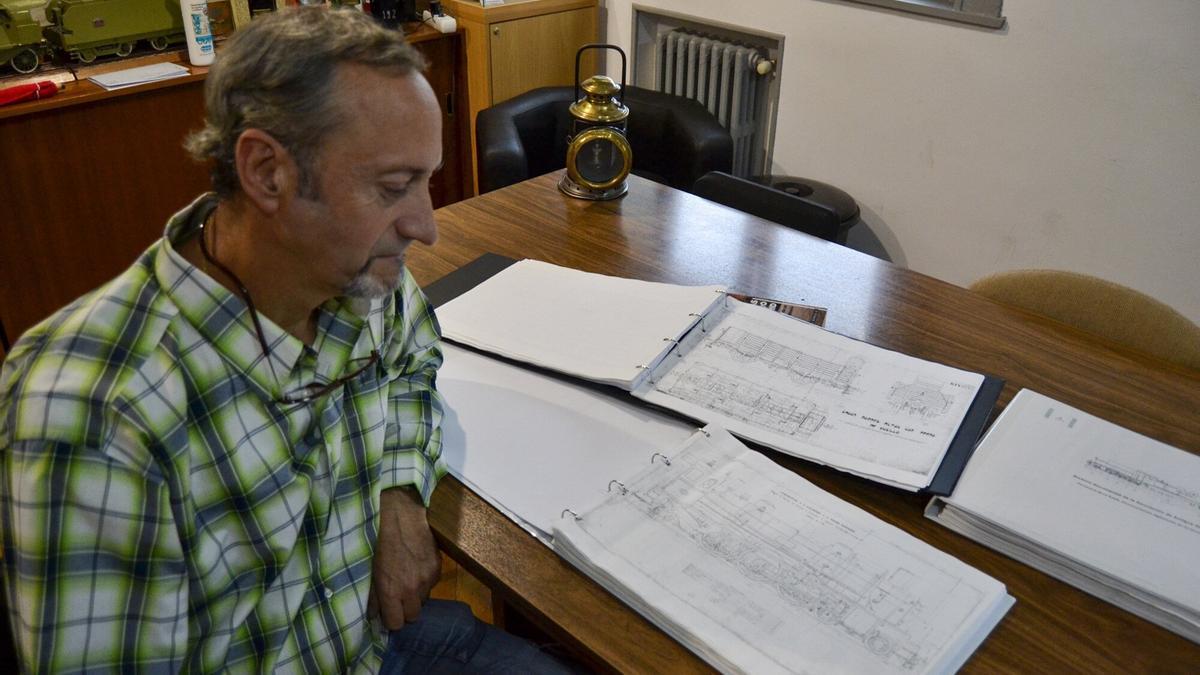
(447, 638)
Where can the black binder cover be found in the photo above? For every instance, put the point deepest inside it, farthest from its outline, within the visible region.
(961, 448)
(466, 277)
(966, 438)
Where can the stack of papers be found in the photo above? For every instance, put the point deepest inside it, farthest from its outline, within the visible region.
(131, 77)
(1100, 507)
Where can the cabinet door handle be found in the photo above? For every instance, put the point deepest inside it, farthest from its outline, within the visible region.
(495, 30)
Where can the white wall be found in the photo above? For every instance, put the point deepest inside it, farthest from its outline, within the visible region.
(1070, 139)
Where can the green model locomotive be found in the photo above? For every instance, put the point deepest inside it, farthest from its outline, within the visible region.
(83, 29)
(21, 43)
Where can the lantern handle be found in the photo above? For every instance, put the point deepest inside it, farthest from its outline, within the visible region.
(598, 45)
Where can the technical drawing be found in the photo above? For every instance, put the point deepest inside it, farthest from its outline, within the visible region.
(1160, 489)
(919, 398)
(744, 400)
(802, 367)
(826, 398)
(886, 607)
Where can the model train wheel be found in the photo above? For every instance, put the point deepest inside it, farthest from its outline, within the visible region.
(159, 43)
(86, 55)
(125, 49)
(24, 61)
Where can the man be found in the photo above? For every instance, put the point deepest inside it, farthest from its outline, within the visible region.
(221, 459)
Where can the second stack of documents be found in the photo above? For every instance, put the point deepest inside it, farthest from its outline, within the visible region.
(1108, 510)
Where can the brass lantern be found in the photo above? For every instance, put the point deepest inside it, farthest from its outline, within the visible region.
(599, 158)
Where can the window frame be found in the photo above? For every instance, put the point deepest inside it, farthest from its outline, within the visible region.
(986, 13)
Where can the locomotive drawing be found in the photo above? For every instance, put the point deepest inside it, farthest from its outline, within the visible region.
(33, 30)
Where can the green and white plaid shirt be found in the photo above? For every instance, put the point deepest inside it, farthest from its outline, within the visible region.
(161, 513)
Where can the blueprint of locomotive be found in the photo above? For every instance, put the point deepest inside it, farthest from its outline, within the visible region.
(756, 565)
(818, 395)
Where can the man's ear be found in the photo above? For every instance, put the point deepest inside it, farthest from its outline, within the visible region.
(265, 169)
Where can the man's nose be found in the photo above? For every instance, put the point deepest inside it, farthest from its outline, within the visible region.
(420, 225)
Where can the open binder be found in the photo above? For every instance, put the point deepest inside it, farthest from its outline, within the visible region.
(770, 379)
(744, 562)
(749, 565)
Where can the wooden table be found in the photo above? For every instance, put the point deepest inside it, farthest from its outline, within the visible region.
(660, 234)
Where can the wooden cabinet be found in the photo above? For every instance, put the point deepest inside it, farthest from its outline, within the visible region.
(88, 178)
(518, 46)
(539, 51)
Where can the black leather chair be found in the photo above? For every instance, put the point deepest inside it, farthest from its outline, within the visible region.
(675, 140)
(799, 203)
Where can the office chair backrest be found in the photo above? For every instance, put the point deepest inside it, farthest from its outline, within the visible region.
(760, 200)
(675, 140)
(1111, 310)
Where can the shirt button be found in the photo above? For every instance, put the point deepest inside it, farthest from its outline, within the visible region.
(328, 593)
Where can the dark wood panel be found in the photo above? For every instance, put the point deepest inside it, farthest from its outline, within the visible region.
(87, 188)
(446, 74)
(660, 234)
(90, 178)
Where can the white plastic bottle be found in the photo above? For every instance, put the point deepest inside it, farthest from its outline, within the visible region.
(199, 34)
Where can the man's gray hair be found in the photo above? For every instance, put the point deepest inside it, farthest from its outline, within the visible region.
(277, 75)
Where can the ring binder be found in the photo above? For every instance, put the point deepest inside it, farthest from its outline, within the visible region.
(573, 514)
(939, 410)
(666, 460)
(624, 490)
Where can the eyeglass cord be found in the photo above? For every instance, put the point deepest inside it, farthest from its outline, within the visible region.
(242, 291)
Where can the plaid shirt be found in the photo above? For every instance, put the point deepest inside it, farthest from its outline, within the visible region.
(161, 513)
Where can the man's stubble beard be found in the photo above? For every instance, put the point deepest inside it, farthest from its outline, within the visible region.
(364, 286)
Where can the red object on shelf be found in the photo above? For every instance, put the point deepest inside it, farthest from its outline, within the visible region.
(28, 92)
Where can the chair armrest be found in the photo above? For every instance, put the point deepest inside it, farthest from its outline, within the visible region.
(499, 152)
(676, 138)
(701, 144)
(519, 138)
(768, 203)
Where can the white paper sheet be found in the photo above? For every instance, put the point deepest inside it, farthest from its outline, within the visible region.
(601, 328)
(1110, 510)
(534, 445)
(817, 395)
(131, 77)
(760, 571)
